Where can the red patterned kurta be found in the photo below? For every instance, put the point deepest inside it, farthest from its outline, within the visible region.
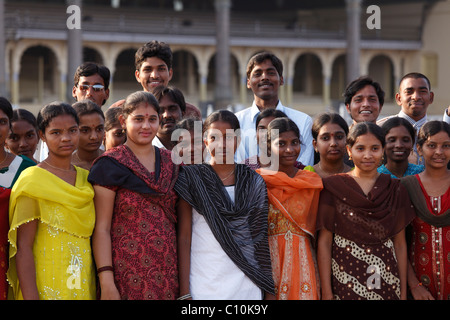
(430, 249)
(8, 176)
(143, 233)
(4, 228)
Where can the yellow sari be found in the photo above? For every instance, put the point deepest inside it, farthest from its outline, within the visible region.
(61, 249)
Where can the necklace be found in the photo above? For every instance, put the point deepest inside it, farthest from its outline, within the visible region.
(76, 155)
(227, 176)
(331, 173)
(66, 170)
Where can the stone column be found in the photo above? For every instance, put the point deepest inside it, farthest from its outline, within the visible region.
(222, 92)
(288, 93)
(63, 86)
(326, 91)
(203, 90)
(15, 88)
(353, 8)
(40, 83)
(243, 89)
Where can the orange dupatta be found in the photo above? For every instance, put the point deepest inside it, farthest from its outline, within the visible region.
(293, 261)
(297, 198)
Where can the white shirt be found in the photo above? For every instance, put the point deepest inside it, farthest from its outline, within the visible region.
(249, 147)
(157, 143)
(43, 151)
(8, 176)
(446, 118)
(213, 275)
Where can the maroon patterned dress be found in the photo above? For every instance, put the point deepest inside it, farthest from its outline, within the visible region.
(363, 261)
(143, 233)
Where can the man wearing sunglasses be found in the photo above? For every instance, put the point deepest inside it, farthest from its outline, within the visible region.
(91, 82)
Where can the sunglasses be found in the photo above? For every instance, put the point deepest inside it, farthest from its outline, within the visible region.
(96, 87)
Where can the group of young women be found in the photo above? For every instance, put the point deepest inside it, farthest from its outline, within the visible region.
(138, 226)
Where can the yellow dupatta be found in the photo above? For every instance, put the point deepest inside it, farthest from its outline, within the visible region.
(67, 218)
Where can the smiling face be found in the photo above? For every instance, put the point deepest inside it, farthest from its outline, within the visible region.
(153, 73)
(436, 150)
(414, 97)
(265, 81)
(286, 147)
(364, 105)
(141, 125)
(398, 144)
(23, 138)
(366, 153)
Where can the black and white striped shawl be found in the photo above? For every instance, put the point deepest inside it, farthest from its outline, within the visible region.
(239, 227)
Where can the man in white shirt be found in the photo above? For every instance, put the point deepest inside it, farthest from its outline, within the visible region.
(264, 77)
(414, 96)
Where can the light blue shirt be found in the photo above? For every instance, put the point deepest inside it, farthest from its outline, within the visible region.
(248, 146)
(410, 171)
